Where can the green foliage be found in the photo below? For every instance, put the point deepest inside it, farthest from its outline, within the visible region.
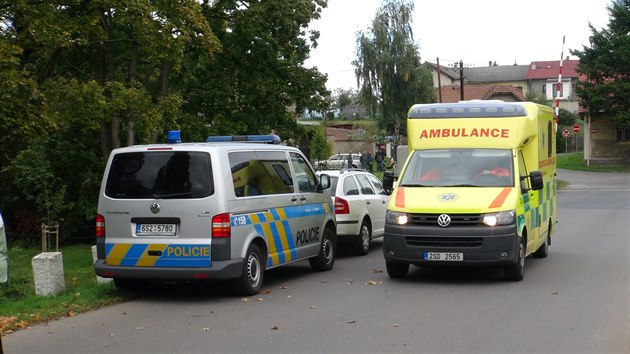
(86, 77)
(321, 149)
(388, 66)
(606, 63)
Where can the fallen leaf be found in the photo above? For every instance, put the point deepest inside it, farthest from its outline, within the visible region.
(283, 287)
(211, 312)
(313, 307)
(265, 292)
(377, 270)
(142, 327)
(275, 328)
(206, 329)
(49, 332)
(112, 334)
(259, 299)
(353, 321)
(65, 305)
(555, 293)
(71, 314)
(244, 299)
(396, 325)
(349, 283)
(288, 296)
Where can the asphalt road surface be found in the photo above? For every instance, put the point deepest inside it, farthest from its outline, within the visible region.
(575, 300)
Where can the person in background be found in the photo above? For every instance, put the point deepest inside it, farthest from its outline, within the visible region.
(379, 160)
(369, 161)
(4, 255)
(364, 161)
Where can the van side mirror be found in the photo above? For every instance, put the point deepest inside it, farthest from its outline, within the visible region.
(324, 182)
(536, 180)
(388, 180)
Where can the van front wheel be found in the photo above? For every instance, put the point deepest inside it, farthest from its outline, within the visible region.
(516, 271)
(251, 279)
(326, 257)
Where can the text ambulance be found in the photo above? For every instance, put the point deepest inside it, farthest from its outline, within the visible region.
(478, 187)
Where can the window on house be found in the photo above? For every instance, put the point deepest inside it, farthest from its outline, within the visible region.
(544, 89)
(623, 134)
(555, 90)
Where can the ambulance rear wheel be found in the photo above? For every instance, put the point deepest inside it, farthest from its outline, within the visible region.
(326, 257)
(397, 270)
(251, 279)
(516, 271)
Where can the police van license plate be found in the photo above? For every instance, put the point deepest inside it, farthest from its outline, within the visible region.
(155, 229)
(444, 256)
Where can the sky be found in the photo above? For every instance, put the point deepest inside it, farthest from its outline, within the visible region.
(474, 31)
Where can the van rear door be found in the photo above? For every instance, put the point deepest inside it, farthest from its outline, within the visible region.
(154, 206)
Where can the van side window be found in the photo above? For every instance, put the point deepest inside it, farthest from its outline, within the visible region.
(522, 171)
(306, 179)
(260, 173)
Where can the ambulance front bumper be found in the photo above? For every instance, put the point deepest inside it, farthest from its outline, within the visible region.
(220, 270)
(479, 245)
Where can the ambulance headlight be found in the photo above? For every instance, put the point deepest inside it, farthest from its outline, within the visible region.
(397, 218)
(500, 218)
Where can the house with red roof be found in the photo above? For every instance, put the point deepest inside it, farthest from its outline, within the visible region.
(542, 78)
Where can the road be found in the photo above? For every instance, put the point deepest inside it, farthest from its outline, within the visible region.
(576, 300)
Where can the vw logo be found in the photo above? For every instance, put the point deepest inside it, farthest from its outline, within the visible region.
(444, 220)
(448, 197)
(155, 208)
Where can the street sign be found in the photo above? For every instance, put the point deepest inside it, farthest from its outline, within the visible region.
(576, 128)
(566, 133)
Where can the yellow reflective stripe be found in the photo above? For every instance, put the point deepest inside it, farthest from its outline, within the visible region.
(117, 254)
(282, 234)
(149, 261)
(273, 249)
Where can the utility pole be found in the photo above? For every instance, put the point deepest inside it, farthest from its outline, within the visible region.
(439, 74)
(461, 79)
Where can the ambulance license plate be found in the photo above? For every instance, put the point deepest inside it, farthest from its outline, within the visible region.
(444, 256)
(155, 229)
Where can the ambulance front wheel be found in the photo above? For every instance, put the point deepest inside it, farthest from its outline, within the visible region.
(251, 279)
(326, 257)
(516, 271)
(397, 270)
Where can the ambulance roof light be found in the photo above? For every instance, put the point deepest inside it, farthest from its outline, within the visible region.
(269, 138)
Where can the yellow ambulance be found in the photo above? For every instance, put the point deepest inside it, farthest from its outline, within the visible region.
(478, 187)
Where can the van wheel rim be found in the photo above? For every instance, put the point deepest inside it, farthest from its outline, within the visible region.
(327, 250)
(253, 270)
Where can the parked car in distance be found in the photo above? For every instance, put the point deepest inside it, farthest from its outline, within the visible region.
(338, 161)
(360, 203)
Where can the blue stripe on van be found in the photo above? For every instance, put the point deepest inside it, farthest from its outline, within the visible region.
(134, 253)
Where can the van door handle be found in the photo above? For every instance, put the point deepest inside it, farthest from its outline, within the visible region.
(294, 199)
(367, 202)
(302, 199)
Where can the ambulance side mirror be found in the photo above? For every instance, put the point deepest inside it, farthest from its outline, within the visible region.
(536, 180)
(388, 180)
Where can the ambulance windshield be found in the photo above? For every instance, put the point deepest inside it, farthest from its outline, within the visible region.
(459, 168)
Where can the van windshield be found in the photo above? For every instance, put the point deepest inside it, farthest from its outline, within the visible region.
(459, 168)
(160, 175)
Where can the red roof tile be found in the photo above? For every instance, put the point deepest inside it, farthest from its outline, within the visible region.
(480, 92)
(551, 69)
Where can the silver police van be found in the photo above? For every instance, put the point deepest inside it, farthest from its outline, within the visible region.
(211, 211)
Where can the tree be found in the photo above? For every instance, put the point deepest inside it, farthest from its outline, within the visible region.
(320, 147)
(258, 82)
(606, 64)
(388, 67)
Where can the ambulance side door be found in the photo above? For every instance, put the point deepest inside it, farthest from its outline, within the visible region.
(527, 211)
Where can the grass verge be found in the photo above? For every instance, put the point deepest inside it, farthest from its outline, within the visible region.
(20, 307)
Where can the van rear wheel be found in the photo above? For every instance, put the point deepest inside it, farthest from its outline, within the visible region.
(326, 257)
(251, 279)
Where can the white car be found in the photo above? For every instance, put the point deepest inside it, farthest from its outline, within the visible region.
(360, 202)
(339, 161)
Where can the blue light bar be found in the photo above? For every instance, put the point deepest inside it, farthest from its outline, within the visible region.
(174, 137)
(271, 138)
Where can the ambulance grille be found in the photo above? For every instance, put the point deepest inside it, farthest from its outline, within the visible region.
(422, 241)
(456, 219)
